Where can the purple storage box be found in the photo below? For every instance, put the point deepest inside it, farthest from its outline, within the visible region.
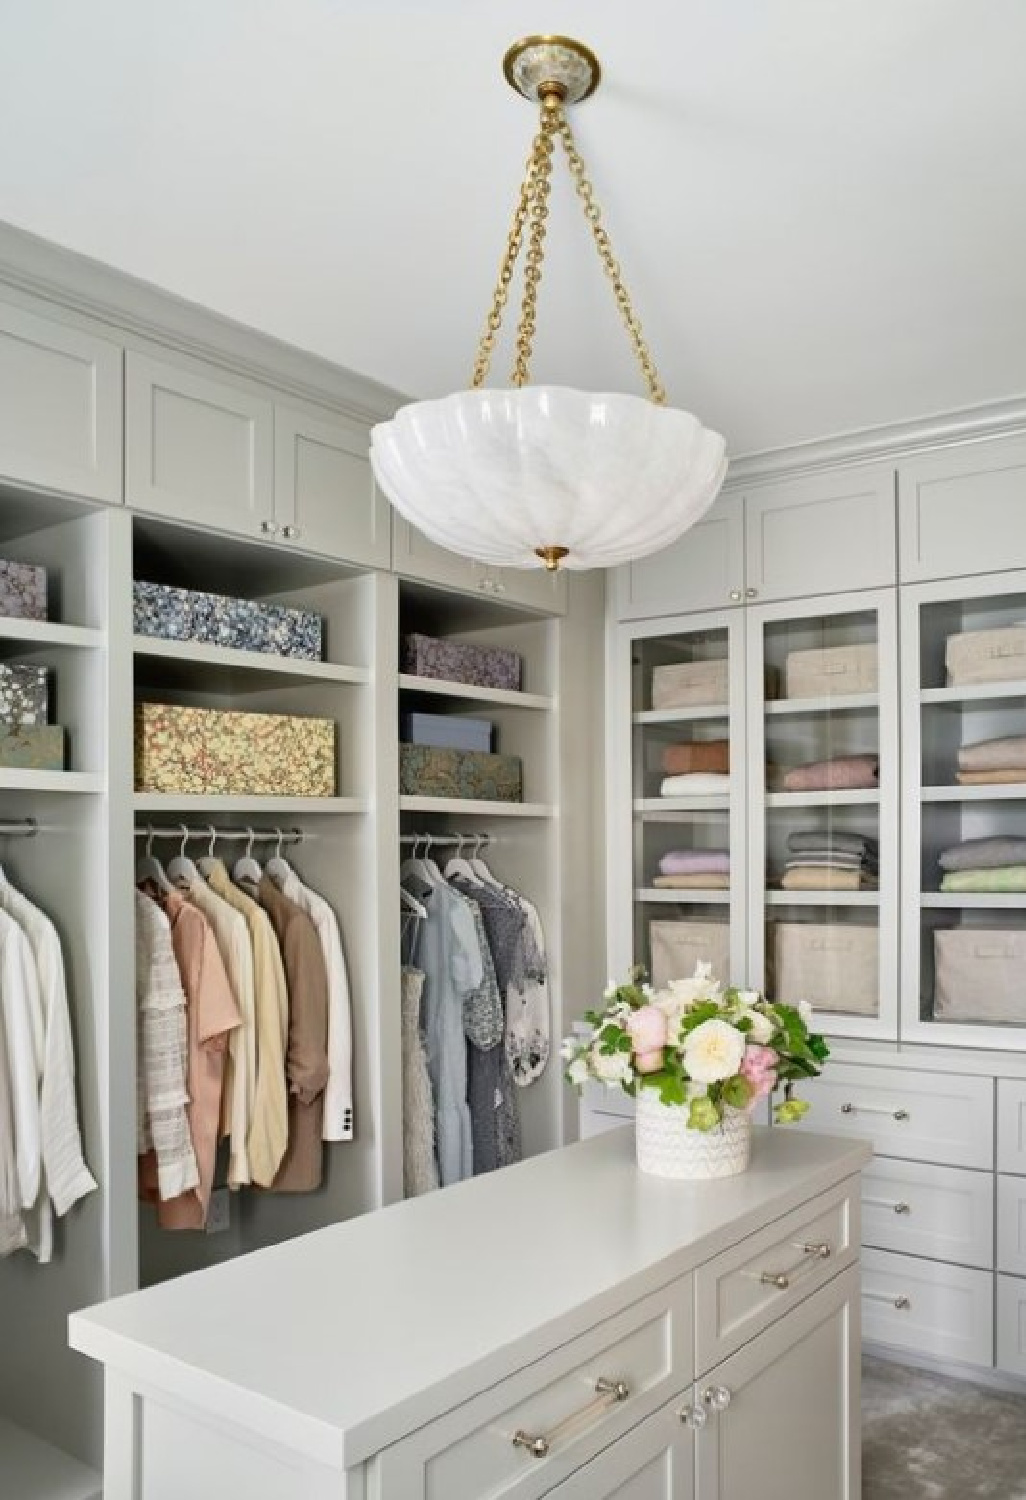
(457, 661)
(447, 732)
(22, 590)
(174, 614)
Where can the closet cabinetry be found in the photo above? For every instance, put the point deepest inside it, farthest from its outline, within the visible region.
(961, 510)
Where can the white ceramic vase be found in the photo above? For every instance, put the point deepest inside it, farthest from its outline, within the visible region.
(666, 1147)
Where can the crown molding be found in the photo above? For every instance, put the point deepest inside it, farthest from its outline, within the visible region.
(126, 304)
(891, 441)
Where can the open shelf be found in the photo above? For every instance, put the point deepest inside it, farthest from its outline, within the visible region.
(468, 807)
(470, 693)
(33, 1470)
(681, 715)
(719, 802)
(271, 668)
(15, 779)
(999, 792)
(658, 896)
(843, 703)
(822, 898)
(977, 692)
(981, 900)
(862, 796)
(49, 633)
(168, 802)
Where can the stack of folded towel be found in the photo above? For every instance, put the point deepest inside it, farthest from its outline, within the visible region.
(694, 869)
(695, 784)
(840, 773)
(697, 755)
(824, 859)
(984, 865)
(993, 762)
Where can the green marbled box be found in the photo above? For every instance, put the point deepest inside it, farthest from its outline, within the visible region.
(431, 771)
(32, 747)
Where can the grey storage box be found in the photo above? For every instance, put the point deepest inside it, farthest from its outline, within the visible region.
(448, 732)
(986, 656)
(980, 975)
(460, 661)
(833, 965)
(23, 695)
(22, 590)
(174, 614)
(690, 684)
(831, 671)
(676, 947)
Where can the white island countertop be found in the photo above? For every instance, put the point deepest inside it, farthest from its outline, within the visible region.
(338, 1342)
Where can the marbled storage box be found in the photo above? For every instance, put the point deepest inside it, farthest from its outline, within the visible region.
(214, 751)
(32, 747)
(458, 661)
(429, 771)
(23, 695)
(174, 614)
(22, 590)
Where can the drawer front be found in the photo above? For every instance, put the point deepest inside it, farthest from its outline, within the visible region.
(469, 1453)
(1011, 1218)
(943, 1213)
(928, 1306)
(1011, 1113)
(923, 1116)
(751, 1285)
(1011, 1314)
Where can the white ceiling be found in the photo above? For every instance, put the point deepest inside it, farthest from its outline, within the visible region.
(820, 205)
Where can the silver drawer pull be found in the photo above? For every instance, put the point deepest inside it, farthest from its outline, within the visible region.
(901, 1302)
(899, 1206)
(782, 1280)
(874, 1109)
(606, 1392)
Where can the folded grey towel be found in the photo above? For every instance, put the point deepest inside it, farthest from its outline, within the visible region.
(831, 838)
(984, 854)
(838, 859)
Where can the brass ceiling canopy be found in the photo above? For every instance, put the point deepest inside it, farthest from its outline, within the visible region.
(539, 66)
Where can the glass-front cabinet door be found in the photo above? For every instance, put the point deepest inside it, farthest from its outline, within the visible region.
(964, 821)
(822, 755)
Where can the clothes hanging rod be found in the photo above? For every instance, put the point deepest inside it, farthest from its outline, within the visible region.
(19, 828)
(449, 840)
(210, 830)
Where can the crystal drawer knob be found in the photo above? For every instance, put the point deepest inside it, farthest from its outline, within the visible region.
(902, 1208)
(269, 528)
(751, 593)
(291, 532)
(693, 1416)
(717, 1397)
(735, 595)
(902, 1303)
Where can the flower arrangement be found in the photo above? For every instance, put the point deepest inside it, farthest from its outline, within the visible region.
(699, 1045)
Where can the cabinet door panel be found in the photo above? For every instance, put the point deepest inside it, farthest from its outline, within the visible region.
(60, 407)
(941, 1117)
(1012, 1125)
(655, 1461)
(928, 1306)
(198, 449)
(946, 1213)
(821, 534)
(796, 1383)
(323, 487)
(961, 510)
(703, 569)
(1011, 1325)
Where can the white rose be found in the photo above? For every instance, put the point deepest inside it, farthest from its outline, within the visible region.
(713, 1051)
(805, 1011)
(612, 1067)
(578, 1071)
(762, 1028)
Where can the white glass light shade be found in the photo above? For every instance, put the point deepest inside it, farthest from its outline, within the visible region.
(496, 474)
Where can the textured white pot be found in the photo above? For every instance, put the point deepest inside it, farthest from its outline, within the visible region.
(667, 1148)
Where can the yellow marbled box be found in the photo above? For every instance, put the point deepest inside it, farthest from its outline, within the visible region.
(221, 752)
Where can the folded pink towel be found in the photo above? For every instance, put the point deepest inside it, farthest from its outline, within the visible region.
(695, 862)
(842, 773)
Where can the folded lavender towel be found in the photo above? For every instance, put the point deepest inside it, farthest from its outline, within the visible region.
(993, 755)
(831, 838)
(695, 862)
(841, 773)
(984, 854)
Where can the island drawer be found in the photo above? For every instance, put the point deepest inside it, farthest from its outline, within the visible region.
(1011, 1339)
(751, 1285)
(928, 1306)
(942, 1117)
(1011, 1125)
(562, 1401)
(918, 1208)
(1011, 1218)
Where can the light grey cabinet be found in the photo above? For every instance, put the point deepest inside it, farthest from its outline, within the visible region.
(703, 569)
(963, 510)
(325, 498)
(198, 448)
(60, 407)
(414, 556)
(655, 1461)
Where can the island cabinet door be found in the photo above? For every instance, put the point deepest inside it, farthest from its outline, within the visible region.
(654, 1461)
(783, 1413)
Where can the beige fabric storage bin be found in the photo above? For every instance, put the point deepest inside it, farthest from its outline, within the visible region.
(830, 672)
(677, 947)
(833, 965)
(979, 975)
(986, 656)
(690, 684)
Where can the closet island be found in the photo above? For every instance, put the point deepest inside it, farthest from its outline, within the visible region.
(566, 1327)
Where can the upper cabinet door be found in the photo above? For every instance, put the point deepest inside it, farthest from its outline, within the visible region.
(60, 407)
(413, 556)
(325, 498)
(822, 534)
(704, 569)
(963, 510)
(198, 449)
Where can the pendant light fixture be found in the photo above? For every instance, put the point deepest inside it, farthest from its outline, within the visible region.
(545, 475)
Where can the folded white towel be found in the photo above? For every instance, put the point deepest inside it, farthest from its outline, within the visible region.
(695, 784)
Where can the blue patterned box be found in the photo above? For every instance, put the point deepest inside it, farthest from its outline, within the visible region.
(448, 732)
(174, 614)
(23, 695)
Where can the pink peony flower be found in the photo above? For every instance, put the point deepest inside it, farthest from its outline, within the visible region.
(647, 1028)
(759, 1066)
(649, 1062)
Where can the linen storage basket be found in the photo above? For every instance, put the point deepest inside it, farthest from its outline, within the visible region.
(833, 965)
(22, 590)
(690, 684)
(676, 947)
(204, 750)
(176, 614)
(986, 656)
(448, 732)
(980, 974)
(34, 747)
(23, 695)
(831, 671)
(431, 771)
(459, 661)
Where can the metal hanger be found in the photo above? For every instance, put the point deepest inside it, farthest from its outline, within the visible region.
(181, 872)
(209, 860)
(477, 864)
(150, 867)
(277, 867)
(247, 868)
(459, 866)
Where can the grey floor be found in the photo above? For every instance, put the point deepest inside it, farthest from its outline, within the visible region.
(926, 1437)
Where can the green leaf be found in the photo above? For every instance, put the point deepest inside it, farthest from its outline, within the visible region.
(672, 1091)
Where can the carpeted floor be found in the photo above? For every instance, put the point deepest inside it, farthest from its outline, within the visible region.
(926, 1437)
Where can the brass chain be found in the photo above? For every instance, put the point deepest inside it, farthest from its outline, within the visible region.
(541, 184)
